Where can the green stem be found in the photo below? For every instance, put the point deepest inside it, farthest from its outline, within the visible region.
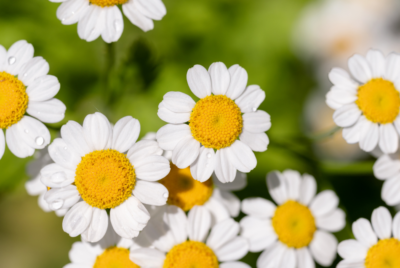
(109, 66)
(324, 135)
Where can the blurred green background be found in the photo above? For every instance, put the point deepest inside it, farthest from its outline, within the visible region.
(255, 34)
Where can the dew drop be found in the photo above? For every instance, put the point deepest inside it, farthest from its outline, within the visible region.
(56, 204)
(39, 140)
(38, 112)
(209, 155)
(11, 60)
(165, 195)
(58, 177)
(254, 109)
(65, 148)
(26, 131)
(117, 26)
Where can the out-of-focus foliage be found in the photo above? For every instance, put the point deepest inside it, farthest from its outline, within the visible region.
(255, 34)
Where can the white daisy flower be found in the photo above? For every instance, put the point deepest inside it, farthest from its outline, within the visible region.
(375, 246)
(25, 87)
(103, 17)
(91, 164)
(225, 119)
(185, 241)
(368, 110)
(296, 231)
(387, 168)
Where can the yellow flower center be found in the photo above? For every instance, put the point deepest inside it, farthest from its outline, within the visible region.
(294, 224)
(105, 178)
(191, 254)
(184, 191)
(379, 101)
(216, 121)
(114, 257)
(107, 3)
(13, 100)
(384, 254)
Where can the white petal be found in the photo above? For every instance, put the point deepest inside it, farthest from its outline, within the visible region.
(98, 226)
(241, 156)
(203, 167)
(33, 132)
(185, 152)
(332, 222)
(125, 133)
(276, 187)
(147, 257)
(392, 67)
(341, 79)
(62, 198)
(377, 63)
(224, 169)
(382, 222)
(251, 99)
(234, 250)
(170, 135)
(71, 11)
(396, 226)
(370, 138)
(151, 193)
(154, 9)
(293, 182)
(72, 134)
(15, 144)
(43, 204)
(390, 191)
(271, 257)
(199, 223)
(222, 233)
(114, 24)
(50, 111)
(258, 207)
(63, 154)
(34, 68)
(35, 186)
(230, 201)
(354, 133)
(218, 211)
(97, 131)
(129, 218)
(352, 249)
(18, 54)
(258, 142)
(143, 149)
(386, 167)
(153, 168)
(256, 122)
(178, 102)
(304, 258)
(43, 88)
(324, 203)
(239, 183)
(3, 57)
(136, 17)
(388, 138)
(169, 116)
(236, 264)
(347, 115)
(360, 69)
(92, 24)
(77, 219)
(177, 222)
(337, 97)
(220, 78)
(363, 232)
(308, 189)
(238, 81)
(351, 264)
(289, 258)
(2, 143)
(323, 248)
(199, 81)
(83, 253)
(259, 233)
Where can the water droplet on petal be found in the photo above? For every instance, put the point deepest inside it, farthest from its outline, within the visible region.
(165, 195)
(25, 74)
(117, 25)
(56, 204)
(209, 155)
(38, 112)
(26, 131)
(11, 60)
(65, 148)
(58, 177)
(254, 109)
(39, 140)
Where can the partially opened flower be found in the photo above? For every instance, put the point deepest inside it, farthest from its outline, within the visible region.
(375, 246)
(91, 164)
(103, 17)
(184, 241)
(368, 109)
(26, 88)
(224, 126)
(387, 168)
(296, 231)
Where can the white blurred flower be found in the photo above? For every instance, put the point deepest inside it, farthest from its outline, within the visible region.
(387, 168)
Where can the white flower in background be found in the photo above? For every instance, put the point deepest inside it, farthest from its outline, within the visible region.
(296, 231)
(110, 251)
(103, 17)
(387, 168)
(90, 163)
(368, 110)
(35, 186)
(225, 120)
(25, 87)
(184, 241)
(375, 246)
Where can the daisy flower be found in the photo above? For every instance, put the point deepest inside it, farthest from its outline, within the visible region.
(220, 132)
(25, 87)
(375, 246)
(34, 186)
(368, 110)
(91, 164)
(184, 241)
(103, 17)
(296, 231)
(387, 168)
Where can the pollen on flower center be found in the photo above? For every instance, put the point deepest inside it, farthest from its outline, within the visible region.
(379, 101)
(114, 257)
(107, 3)
(384, 254)
(294, 224)
(105, 178)
(13, 100)
(184, 191)
(191, 254)
(216, 121)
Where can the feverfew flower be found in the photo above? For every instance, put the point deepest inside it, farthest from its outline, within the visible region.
(375, 246)
(184, 241)
(25, 88)
(103, 17)
(91, 164)
(368, 110)
(387, 168)
(296, 231)
(224, 126)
